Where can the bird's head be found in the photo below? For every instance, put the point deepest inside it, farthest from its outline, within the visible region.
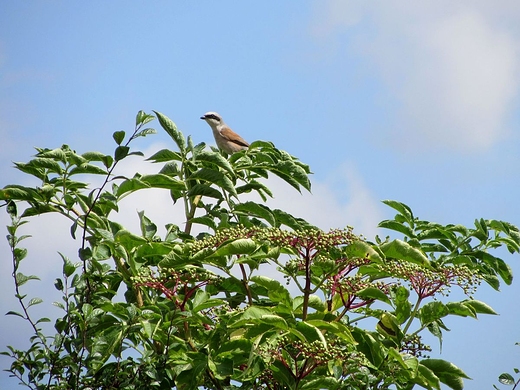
(213, 119)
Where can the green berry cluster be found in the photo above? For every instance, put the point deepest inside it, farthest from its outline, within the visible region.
(427, 282)
(312, 239)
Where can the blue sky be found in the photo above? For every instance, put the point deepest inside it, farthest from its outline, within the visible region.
(417, 102)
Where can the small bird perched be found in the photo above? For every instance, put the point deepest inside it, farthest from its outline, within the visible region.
(226, 139)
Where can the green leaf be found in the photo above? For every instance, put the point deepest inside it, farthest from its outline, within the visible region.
(145, 132)
(205, 190)
(283, 218)
(401, 250)
(479, 306)
(506, 379)
(128, 240)
(505, 271)
(373, 293)
(433, 311)
(311, 332)
(58, 284)
(16, 192)
(447, 372)
(149, 181)
(403, 209)
(121, 152)
(46, 163)
(429, 377)
(403, 307)
(118, 136)
(337, 328)
(362, 250)
(320, 383)
(389, 326)
(216, 177)
(369, 346)
(22, 279)
(215, 159)
(87, 169)
(170, 128)
(34, 301)
(12, 210)
(397, 226)
(148, 228)
(316, 303)
(257, 210)
(254, 185)
(202, 301)
(292, 174)
(165, 155)
(274, 320)
(207, 221)
(277, 292)
(143, 118)
(239, 246)
(460, 309)
(93, 156)
(14, 313)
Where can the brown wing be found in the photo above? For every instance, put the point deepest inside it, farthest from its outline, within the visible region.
(231, 136)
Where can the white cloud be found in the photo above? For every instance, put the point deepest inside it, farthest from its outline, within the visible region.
(452, 67)
(343, 200)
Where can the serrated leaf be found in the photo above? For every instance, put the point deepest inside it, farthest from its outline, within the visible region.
(145, 132)
(316, 303)
(460, 309)
(373, 293)
(277, 292)
(337, 328)
(401, 250)
(216, 177)
(274, 320)
(359, 249)
(34, 301)
(311, 332)
(171, 129)
(46, 163)
(216, 159)
(447, 372)
(142, 118)
(165, 155)
(239, 246)
(403, 209)
(479, 306)
(433, 311)
(257, 210)
(205, 190)
(87, 169)
(429, 376)
(396, 226)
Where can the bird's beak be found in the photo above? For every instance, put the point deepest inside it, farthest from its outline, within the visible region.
(203, 117)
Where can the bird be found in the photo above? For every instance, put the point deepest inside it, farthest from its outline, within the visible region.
(226, 139)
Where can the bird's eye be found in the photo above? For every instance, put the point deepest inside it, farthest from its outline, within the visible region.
(213, 116)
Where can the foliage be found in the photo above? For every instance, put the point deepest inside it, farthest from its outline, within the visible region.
(508, 379)
(185, 312)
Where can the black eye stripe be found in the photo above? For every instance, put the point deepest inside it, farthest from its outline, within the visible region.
(213, 116)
